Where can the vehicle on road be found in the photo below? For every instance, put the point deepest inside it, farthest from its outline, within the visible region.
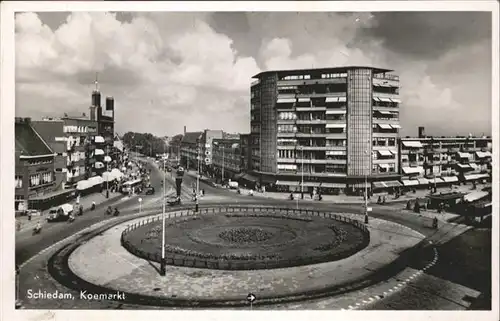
(150, 190)
(172, 201)
(37, 229)
(232, 185)
(60, 213)
(129, 186)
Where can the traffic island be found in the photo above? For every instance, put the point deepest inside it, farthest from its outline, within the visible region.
(243, 240)
(101, 264)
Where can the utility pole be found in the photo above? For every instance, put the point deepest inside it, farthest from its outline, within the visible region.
(162, 263)
(197, 181)
(107, 171)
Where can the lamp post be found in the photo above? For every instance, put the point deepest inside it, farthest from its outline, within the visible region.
(197, 181)
(302, 174)
(107, 171)
(366, 193)
(162, 263)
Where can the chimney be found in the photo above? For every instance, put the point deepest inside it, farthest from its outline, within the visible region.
(184, 130)
(421, 132)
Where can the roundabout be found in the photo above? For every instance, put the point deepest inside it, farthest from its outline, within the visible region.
(98, 263)
(241, 240)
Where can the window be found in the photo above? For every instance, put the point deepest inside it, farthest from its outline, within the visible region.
(374, 155)
(35, 180)
(392, 167)
(374, 168)
(19, 181)
(392, 142)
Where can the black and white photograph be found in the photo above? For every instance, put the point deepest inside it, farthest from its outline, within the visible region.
(271, 157)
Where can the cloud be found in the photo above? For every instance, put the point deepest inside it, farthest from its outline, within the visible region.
(167, 70)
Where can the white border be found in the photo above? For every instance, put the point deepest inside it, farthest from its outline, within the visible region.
(7, 153)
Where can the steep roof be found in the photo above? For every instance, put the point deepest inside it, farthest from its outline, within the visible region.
(191, 137)
(29, 142)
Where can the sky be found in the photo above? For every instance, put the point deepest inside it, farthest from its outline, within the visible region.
(194, 69)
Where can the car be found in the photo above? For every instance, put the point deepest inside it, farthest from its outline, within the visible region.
(173, 201)
(33, 213)
(150, 190)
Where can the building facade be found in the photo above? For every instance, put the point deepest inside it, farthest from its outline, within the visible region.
(428, 161)
(34, 168)
(79, 136)
(333, 128)
(191, 146)
(226, 158)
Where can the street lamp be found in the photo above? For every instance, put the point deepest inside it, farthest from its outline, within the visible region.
(302, 174)
(366, 193)
(107, 170)
(162, 263)
(197, 181)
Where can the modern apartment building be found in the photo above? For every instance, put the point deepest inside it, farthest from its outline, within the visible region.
(191, 146)
(334, 128)
(426, 161)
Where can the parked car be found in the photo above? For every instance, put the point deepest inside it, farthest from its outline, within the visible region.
(32, 212)
(173, 201)
(60, 213)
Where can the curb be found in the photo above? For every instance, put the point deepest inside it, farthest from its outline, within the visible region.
(58, 268)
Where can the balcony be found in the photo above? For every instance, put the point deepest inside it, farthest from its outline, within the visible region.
(321, 148)
(384, 135)
(311, 122)
(311, 134)
(285, 160)
(340, 80)
(311, 108)
(286, 134)
(286, 121)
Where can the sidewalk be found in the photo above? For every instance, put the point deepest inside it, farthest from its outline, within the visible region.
(85, 201)
(347, 199)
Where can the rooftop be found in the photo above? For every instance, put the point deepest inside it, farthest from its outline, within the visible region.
(29, 142)
(191, 137)
(322, 70)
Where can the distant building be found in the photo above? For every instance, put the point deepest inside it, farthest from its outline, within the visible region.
(226, 158)
(335, 127)
(34, 168)
(191, 146)
(444, 160)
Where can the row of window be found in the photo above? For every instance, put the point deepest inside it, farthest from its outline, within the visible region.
(385, 168)
(296, 77)
(79, 129)
(384, 141)
(36, 179)
(39, 162)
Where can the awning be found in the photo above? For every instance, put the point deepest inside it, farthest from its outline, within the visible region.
(384, 99)
(379, 185)
(413, 144)
(304, 100)
(473, 177)
(436, 180)
(96, 180)
(99, 139)
(474, 166)
(250, 178)
(488, 154)
(412, 170)
(384, 152)
(342, 99)
(238, 176)
(386, 166)
(449, 179)
(287, 183)
(335, 111)
(83, 185)
(463, 155)
(464, 166)
(107, 159)
(423, 181)
(395, 126)
(474, 196)
(50, 195)
(116, 173)
(385, 126)
(332, 99)
(396, 100)
(387, 113)
(481, 154)
(98, 165)
(333, 185)
(335, 125)
(311, 184)
(286, 100)
(99, 152)
(412, 182)
(108, 176)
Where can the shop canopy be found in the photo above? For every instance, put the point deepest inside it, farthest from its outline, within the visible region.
(99, 139)
(463, 155)
(286, 100)
(386, 184)
(96, 180)
(335, 125)
(99, 152)
(385, 126)
(473, 177)
(304, 100)
(449, 179)
(412, 182)
(423, 181)
(475, 196)
(333, 185)
(335, 111)
(464, 166)
(287, 183)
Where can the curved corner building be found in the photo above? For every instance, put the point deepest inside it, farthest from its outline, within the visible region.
(333, 128)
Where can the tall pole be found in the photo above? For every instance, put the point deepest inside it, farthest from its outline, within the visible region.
(302, 176)
(366, 194)
(223, 153)
(162, 263)
(197, 181)
(107, 171)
